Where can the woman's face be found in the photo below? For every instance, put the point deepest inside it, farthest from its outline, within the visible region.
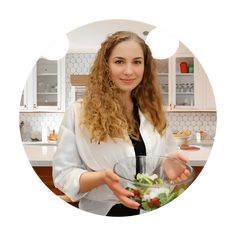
(126, 64)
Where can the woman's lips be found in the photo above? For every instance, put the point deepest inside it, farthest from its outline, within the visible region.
(127, 81)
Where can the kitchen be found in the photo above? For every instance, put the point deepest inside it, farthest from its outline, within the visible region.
(53, 85)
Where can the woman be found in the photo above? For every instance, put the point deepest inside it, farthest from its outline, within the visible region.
(121, 116)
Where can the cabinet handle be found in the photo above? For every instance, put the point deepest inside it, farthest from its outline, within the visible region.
(35, 106)
(25, 106)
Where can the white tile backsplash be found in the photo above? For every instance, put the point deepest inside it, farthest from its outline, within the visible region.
(35, 120)
(193, 121)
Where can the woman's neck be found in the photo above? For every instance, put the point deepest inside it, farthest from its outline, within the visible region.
(128, 104)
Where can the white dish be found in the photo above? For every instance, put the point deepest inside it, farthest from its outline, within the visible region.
(182, 140)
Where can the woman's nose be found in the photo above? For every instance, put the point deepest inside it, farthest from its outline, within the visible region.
(128, 70)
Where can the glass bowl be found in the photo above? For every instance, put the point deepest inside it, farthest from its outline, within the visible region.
(151, 179)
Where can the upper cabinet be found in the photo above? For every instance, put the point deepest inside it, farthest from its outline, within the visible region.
(45, 87)
(184, 83)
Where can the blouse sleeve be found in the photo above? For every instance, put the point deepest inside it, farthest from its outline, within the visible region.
(67, 163)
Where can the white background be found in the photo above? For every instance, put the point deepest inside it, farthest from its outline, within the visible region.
(27, 207)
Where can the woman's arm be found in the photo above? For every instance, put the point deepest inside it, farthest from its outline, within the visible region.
(67, 164)
(71, 176)
(91, 180)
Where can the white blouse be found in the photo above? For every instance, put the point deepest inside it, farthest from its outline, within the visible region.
(76, 154)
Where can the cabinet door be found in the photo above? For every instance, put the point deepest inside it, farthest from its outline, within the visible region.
(163, 77)
(184, 81)
(27, 93)
(205, 95)
(48, 85)
(210, 98)
(45, 87)
(23, 100)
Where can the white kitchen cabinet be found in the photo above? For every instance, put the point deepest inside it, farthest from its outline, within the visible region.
(163, 71)
(184, 94)
(207, 98)
(45, 87)
(184, 91)
(27, 94)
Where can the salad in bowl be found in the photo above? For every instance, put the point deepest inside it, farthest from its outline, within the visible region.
(151, 186)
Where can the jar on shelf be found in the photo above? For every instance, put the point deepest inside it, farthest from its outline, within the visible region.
(190, 68)
(183, 67)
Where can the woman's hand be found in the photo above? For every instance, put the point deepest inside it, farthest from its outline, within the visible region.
(175, 167)
(113, 182)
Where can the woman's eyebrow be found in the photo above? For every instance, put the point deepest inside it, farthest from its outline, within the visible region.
(118, 58)
(124, 58)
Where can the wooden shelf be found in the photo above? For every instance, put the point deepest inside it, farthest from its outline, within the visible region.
(78, 80)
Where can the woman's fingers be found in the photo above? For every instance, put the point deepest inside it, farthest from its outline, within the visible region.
(173, 168)
(128, 202)
(113, 182)
(123, 195)
(182, 177)
(187, 172)
(118, 189)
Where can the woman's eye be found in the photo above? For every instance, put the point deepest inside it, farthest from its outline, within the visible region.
(119, 62)
(138, 62)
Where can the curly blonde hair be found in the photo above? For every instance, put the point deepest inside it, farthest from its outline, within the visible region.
(103, 113)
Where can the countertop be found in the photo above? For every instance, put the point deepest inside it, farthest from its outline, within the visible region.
(41, 155)
(199, 157)
(41, 143)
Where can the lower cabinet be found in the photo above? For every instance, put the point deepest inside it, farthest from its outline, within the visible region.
(198, 170)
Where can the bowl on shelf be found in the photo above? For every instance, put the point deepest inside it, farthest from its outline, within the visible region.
(150, 178)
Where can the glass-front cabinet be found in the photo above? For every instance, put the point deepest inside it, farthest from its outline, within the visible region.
(163, 76)
(27, 93)
(177, 77)
(46, 84)
(184, 85)
(45, 87)
(23, 100)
